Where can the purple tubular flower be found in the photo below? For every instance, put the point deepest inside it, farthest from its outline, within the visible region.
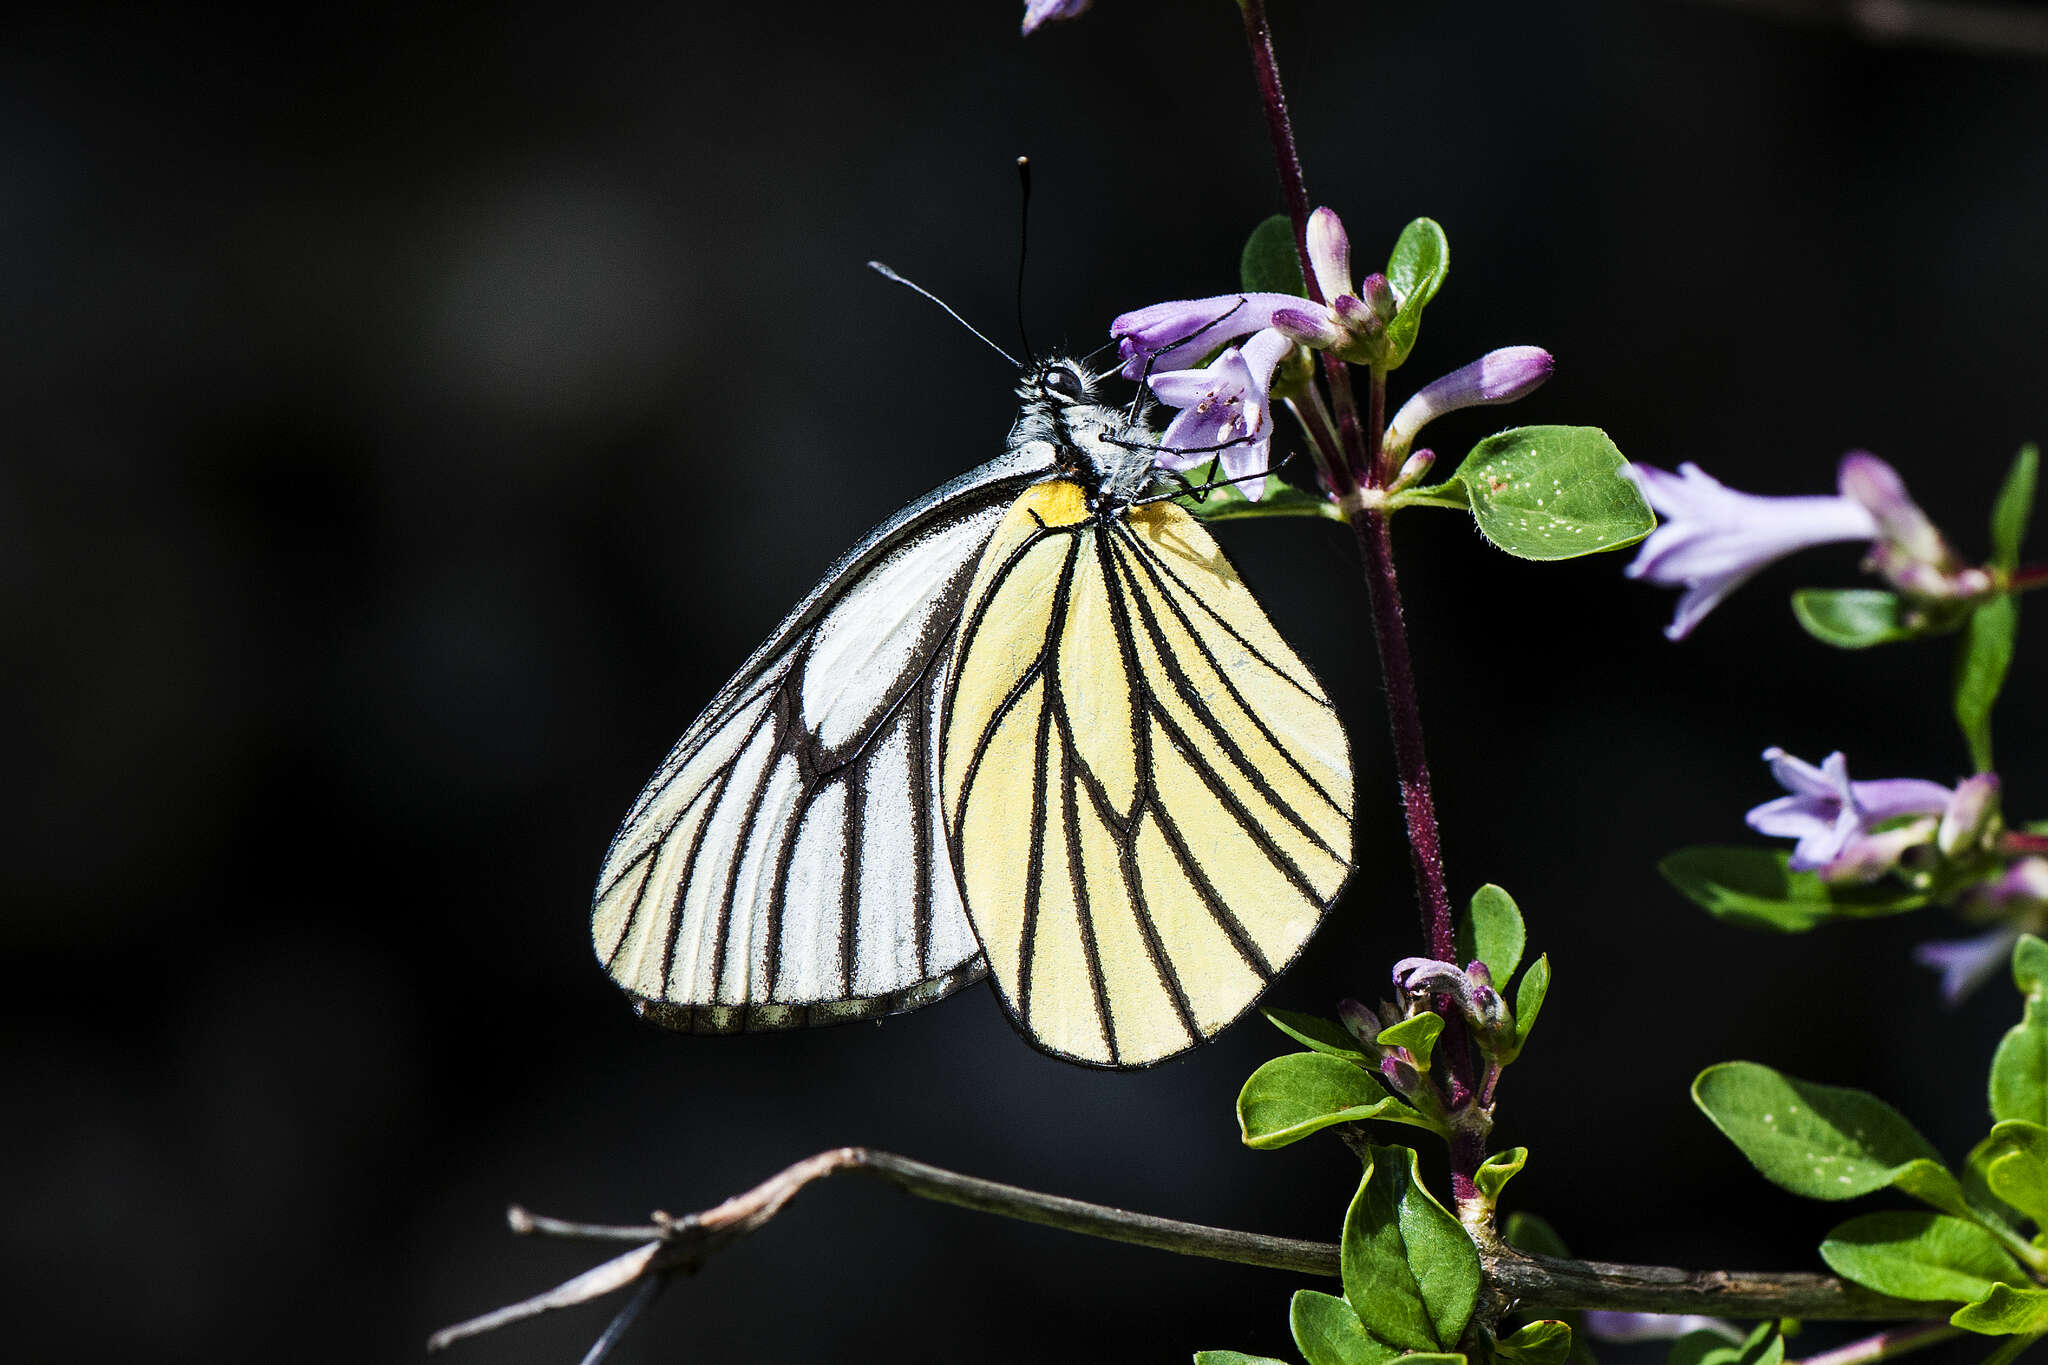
(1967, 963)
(1171, 334)
(1969, 815)
(1604, 1325)
(1879, 489)
(1329, 253)
(2023, 890)
(1352, 319)
(1038, 12)
(1909, 551)
(1225, 413)
(1499, 376)
(1714, 539)
(1833, 818)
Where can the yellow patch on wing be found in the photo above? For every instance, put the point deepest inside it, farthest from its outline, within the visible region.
(1148, 793)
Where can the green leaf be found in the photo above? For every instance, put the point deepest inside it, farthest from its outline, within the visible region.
(1974, 1177)
(1822, 1141)
(1314, 1031)
(1290, 1097)
(1271, 264)
(1548, 1342)
(1416, 270)
(1529, 993)
(1530, 1233)
(1491, 931)
(2014, 506)
(1764, 1346)
(2019, 1069)
(1409, 1268)
(1228, 502)
(2016, 1168)
(1697, 1348)
(1533, 1233)
(1233, 1358)
(1982, 658)
(1328, 1332)
(1496, 1171)
(1913, 1255)
(2030, 964)
(2005, 1311)
(1553, 493)
(1417, 1033)
(1853, 618)
(1757, 889)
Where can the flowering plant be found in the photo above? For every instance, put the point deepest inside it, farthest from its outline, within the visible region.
(1304, 349)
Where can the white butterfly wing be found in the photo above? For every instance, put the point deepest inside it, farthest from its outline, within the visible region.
(787, 864)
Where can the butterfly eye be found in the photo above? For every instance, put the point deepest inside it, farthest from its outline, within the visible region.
(1064, 381)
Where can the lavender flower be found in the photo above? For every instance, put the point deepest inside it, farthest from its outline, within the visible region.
(1967, 963)
(1909, 552)
(1225, 412)
(1352, 319)
(1472, 988)
(1038, 12)
(1835, 819)
(1971, 816)
(1604, 1325)
(1714, 539)
(1499, 376)
(2021, 892)
(1167, 335)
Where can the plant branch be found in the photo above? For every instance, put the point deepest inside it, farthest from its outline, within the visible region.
(1988, 30)
(667, 1245)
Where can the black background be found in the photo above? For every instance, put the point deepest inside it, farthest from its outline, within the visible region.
(413, 414)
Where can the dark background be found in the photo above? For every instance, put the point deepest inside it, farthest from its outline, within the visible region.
(413, 414)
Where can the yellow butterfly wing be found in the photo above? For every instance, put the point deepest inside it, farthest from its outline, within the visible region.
(1147, 795)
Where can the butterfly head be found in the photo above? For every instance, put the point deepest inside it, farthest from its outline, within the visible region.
(1107, 449)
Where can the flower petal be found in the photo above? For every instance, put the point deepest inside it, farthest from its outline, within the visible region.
(1329, 253)
(1499, 376)
(1967, 963)
(1038, 12)
(1714, 539)
(1173, 333)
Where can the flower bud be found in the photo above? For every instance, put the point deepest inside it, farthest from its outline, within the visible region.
(1379, 297)
(1362, 1023)
(1969, 816)
(1412, 470)
(2022, 890)
(1400, 1075)
(1329, 253)
(1500, 376)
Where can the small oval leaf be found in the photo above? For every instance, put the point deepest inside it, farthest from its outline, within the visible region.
(1549, 493)
(1421, 259)
(1853, 618)
(1757, 889)
(1491, 931)
(1270, 263)
(1914, 1255)
(1314, 1031)
(1304, 1092)
(1821, 1141)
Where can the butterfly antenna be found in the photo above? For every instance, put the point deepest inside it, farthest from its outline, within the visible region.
(886, 273)
(1023, 241)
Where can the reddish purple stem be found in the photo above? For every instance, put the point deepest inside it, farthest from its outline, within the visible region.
(1360, 465)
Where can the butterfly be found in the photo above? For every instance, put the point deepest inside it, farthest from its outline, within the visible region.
(1033, 726)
